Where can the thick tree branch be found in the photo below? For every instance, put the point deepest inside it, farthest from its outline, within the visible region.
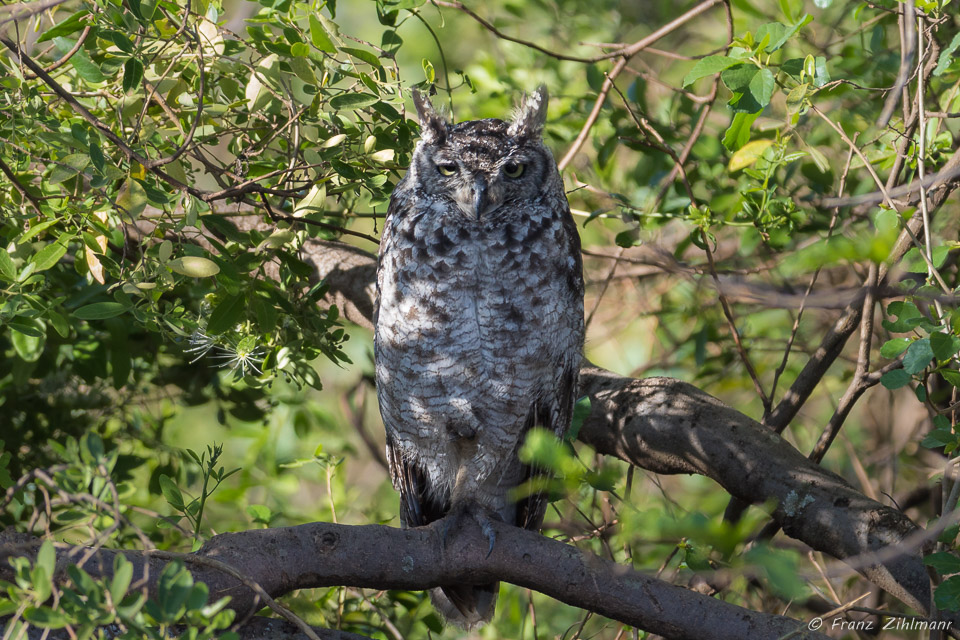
(669, 426)
(380, 557)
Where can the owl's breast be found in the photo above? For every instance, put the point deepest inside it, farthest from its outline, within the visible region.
(499, 289)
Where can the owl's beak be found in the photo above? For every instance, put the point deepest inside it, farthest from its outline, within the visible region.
(481, 200)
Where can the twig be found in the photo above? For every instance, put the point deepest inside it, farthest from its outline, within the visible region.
(625, 51)
(65, 57)
(252, 584)
(907, 51)
(861, 381)
(24, 11)
(732, 324)
(19, 187)
(813, 280)
(866, 163)
(804, 628)
(625, 55)
(921, 160)
(947, 173)
(594, 114)
(650, 132)
(159, 162)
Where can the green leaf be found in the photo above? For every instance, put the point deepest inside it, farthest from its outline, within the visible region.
(939, 438)
(918, 356)
(36, 229)
(171, 492)
(779, 33)
(739, 77)
(319, 37)
(748, 154)
(580, 412)
(122, 575)
(428, 71)
(947, 595)
(226, 315)
(71, 25)
(81, 62)
(46, 618)
(908, 317)
(895, 379)
(819, 159)
(47, 558)
(773, 32)
(314, 202)
(259, 513)
(946, 56)
(353, 101)
(391, 41)
(27, 345)
(738, 133)
(266, 313)
(132, 199)
(943, 345)
(944, 562)
(952, 376)
(362, 54)
(28, 326)
(68, 167)
(96, 156)
(194, 266)
(823, 75)
(8, 271)
(383, 156)
(132, 74)
(121, 40)
(762, 85)
(48, 256)
(99, 311)
(894, 347)
(708, 66)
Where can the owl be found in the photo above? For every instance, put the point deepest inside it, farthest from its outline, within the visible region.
(478, 326)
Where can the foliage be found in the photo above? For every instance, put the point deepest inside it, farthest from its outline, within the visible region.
(165, 177)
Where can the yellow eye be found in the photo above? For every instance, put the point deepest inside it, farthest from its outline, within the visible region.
(447, 169)
(514, 169)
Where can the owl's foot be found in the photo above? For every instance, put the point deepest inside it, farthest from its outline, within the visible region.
(478, 514)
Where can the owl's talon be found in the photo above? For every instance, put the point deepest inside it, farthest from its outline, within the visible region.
(486, 526)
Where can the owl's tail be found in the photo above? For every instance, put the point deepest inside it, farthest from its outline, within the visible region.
(467, 606)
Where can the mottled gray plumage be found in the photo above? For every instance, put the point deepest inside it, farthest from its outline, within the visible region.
(479, 324)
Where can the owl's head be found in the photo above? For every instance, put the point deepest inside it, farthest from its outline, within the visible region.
(484, 165)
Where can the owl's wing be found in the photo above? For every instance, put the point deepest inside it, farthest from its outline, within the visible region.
(553, 413)
(555, 410)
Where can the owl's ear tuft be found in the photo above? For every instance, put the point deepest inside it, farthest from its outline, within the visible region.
(528, 120)
(433, 125)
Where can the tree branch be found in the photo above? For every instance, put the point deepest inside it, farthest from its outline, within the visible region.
(669, 426)
(380, 557)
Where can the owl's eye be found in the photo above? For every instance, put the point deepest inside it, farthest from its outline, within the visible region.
(447, 168)
(514, 169)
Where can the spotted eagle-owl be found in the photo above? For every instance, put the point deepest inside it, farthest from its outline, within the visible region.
(479, 324)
